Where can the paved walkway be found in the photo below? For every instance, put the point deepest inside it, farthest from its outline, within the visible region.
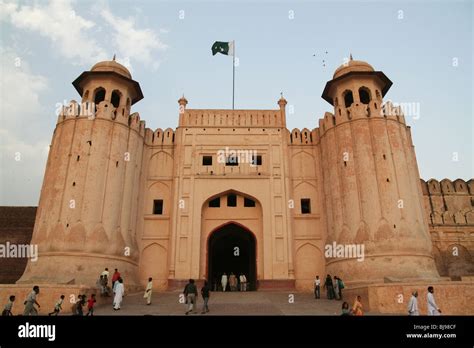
(228, 303)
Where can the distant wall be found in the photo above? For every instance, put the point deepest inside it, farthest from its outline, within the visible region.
(16, 226)
(449, 207)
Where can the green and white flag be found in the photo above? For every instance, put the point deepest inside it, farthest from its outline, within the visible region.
(226, 48)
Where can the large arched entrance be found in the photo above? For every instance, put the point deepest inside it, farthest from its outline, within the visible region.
(232, 248)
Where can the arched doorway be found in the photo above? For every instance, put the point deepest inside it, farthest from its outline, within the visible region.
(232, 248)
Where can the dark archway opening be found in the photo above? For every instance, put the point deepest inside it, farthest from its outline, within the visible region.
(115, 100)
(348, 98)
(231, 248)
(99, 96)
(364, 95)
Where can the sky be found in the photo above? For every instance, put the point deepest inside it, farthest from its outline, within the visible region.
(424, 47)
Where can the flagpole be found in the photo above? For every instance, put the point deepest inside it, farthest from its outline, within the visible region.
(233, 76)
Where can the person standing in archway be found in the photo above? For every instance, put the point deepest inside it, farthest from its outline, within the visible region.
(233, 282)
(243, 281)
(224, 281)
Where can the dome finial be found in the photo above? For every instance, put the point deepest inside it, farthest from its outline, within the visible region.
(282, 101)
(113, 57)
(350, 56)
(183, 101)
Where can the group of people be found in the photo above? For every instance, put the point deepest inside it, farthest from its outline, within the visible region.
(118, 288)
(357, 308)
(333, 287)
(333, 290)
(191, 295)
(31, 310)
(432, 307)
(234, 283)
(78, 307)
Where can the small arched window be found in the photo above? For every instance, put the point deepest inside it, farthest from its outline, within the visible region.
(128, 103)
(377, 94)
(364, 95)
(336, 103)
(115, 100)
(86, 95)
(348, 98)
(99, 95)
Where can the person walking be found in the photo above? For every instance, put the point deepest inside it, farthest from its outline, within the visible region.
(7, 310)
(340, 286)
(329, 287)
(433, 308)
(58, 306)
(336, 288)
(224, 281)
(148, 291)
(79, 310)
(31, 301)
(115, 277)
(119, 292)
(190, 292)
(90, 305)
(205, 293)
(317, 288)
(413, 304)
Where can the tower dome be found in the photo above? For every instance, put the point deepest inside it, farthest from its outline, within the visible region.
(111, 75)
(112, 65)
(355, 69)
(352, 65)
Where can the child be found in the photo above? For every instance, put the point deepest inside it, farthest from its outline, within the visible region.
(57, 306)
(7, 311)
(79, 304)
(90, 305)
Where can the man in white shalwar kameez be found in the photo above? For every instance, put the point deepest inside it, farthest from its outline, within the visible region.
(432, 306)
(224, 281)
(148, 291)
(413, 304)
(119, 291)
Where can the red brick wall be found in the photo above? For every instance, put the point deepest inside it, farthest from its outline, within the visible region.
(16, 226)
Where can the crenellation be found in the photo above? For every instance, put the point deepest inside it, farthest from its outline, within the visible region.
(134, 121)
(142, 128)
(460, 187)
(229, 118)
(168, 136)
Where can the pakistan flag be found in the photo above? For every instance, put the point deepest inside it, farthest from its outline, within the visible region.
(226, 48)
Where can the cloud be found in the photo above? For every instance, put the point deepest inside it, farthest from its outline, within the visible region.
(23, 143)
(58, 22)
(20, 103)
(134, 43)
